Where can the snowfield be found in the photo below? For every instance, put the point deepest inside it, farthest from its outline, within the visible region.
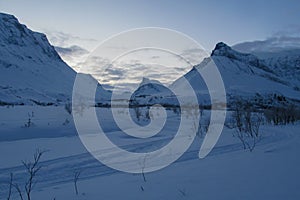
(271, 171)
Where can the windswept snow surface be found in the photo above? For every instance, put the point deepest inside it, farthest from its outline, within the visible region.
(271, 171)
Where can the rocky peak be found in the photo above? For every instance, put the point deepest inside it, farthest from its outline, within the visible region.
(221, 49)
(224, 50)
(14, 35)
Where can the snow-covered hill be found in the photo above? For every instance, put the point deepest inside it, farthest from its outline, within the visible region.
(285, 64)
(150, 92)
(281, 54)
(246, 76)
(31, 71)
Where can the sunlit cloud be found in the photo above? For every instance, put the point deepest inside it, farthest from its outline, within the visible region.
(61, 39)
(128, 69)
(286, 39)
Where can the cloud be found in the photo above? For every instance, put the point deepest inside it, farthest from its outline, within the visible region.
(194, 56)
(127, 73)
(128, 69)
(281, 40)
(290, 31)
(179, 68)
(94, 65)
(71, 51)
(155, 57)
(72, 55)
(116, 72)
(61, 39)
(272, 44)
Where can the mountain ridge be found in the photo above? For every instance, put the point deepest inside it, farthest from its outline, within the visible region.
(245, 76)
(31, 71)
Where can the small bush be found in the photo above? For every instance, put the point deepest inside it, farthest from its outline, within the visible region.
(282, 115)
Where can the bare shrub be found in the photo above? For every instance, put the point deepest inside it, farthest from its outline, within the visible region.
(68, 108)
(10, 186)
(247, 124)
(137, 112)
(282, 115)
(29, 122)
(32, 168)
(203, 127)
(76, 177)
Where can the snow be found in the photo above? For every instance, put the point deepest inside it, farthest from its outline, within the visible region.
(272, 175)
(271, 171)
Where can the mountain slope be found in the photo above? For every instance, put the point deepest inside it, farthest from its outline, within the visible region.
(282, 55)
(151, 92)
(245, 76)
(31, 71)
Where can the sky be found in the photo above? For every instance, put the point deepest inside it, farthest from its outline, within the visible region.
(208, 22)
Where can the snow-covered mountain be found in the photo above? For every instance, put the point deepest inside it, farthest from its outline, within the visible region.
(31, 71)
(148, 87)
(285, 63)
(245, 76)
(150, 92)
(282, 55)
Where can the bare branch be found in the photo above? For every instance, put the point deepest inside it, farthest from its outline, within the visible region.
(10, 186)
(32, 169)
(247, 125)
(76, 177)
(16, 186)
